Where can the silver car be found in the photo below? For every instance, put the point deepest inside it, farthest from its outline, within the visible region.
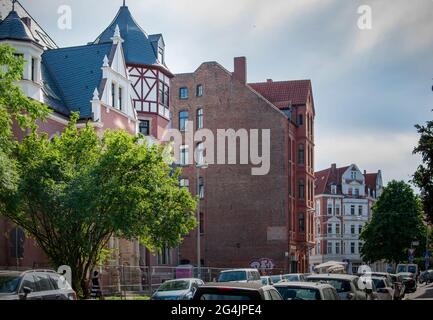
(179, 289)
(306, 291)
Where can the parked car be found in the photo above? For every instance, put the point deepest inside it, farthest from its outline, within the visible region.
(306, 291)
(412, 268)
(346, 286)
(426, 277)
(267, 281)
(384, 288)
(234, 291)
(179, 289)
(35, 285)
(399, 287)
(294, 277)
(240, 275)
(409, 281)
(277, 278)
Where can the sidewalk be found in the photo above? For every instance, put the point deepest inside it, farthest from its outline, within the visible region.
(424, 292)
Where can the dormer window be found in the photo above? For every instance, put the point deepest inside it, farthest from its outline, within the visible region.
(161, 55)
(334, 189)
(353, 175)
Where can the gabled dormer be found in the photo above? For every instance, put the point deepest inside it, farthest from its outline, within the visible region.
(15, 31)
(353, 182)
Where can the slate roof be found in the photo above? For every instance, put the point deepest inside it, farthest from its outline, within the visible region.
(13, 28)
(71, 75)
(137, 44)
(282, 93)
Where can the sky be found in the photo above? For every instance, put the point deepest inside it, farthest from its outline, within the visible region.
(370, 86)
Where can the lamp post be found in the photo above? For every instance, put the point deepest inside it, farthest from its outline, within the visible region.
(199, 165)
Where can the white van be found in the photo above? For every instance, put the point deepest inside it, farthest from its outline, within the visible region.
(240, 275)
(412, 268)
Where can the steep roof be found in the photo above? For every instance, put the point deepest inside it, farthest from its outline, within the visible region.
(288, 92)
(71, 88)
(327, 177)
(37, 32)
(13, 28)
(137, 44)
(370, 181)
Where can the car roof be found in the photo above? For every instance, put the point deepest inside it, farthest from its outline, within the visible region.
(184, 279)
(21, 273)
(302, 285)
(233, 270)
(333, 276)
(236, 285)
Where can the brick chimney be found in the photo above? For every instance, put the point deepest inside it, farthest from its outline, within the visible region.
(27, 21)
(334, 168)
(269, 80)
(240, 70)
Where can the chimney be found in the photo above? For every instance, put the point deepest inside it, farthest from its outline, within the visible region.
(334, 168)
(27, 21)
(240, 70)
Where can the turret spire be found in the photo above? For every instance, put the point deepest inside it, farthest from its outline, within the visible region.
(13, 4)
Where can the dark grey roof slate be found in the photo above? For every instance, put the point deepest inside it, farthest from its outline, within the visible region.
(12, 27)
(73, 74)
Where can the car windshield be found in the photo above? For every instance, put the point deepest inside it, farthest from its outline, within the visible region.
(276, 279)
(211, 296)
(299, 293)
(340, 285)
(232, 276)
(292, 277)
(9, 284)
(174, 286)
(411, 269)
(379, 283)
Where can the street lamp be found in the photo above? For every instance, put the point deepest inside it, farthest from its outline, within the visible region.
(199, 165)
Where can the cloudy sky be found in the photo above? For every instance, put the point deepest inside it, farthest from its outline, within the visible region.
(370, 86)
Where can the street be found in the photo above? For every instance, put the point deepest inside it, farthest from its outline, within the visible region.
(424, 292)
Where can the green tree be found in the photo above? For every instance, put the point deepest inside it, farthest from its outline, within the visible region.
(14, 106)
(423, 177)
(397, 221)
(78, 190)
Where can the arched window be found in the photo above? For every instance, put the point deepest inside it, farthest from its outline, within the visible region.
(301, 154)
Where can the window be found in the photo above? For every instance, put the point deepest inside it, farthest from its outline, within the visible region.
(29, 282)
(184, 155)
(329, 209)
(352, 229)
(359, 229)
(200, 119)
(318, 228)
(353, 175)
(337, 247)
(334, 189)
(183, 93)
(352, 210)
(33, 69)
(164, 256)
(329, 247)
(200, 153)
(360, 210)
(183, 120)
(300, 120)
(337, 209)
(356, 192)
(301, 154)
(337, 228)
(301, 189)
(201, 223)
(329, 228)
(201, 188)
(318, 248)
(161, 55)
(184, 183)
(113, 94)
(120, 98)
(43, 283)
(164, 93)
(144, 127)
(352, 247)
(301, 222)
(199, 91)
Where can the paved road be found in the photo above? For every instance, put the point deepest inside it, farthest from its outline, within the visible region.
(424, 292)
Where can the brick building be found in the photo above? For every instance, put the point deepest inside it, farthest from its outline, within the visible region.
(249, 220)
(344, 198)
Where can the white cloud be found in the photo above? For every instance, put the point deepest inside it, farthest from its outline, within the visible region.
(371, 151)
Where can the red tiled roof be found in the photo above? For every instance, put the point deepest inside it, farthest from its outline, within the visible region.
(370, 181)
(326, 177)
(291, 92)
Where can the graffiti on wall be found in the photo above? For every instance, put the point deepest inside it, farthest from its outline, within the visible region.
(263, 264)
